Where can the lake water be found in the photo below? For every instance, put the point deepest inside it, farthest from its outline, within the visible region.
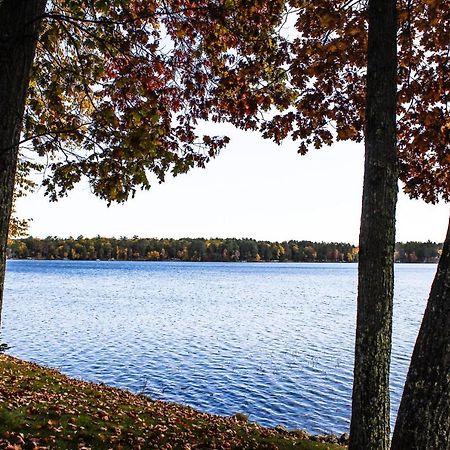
(272, 340)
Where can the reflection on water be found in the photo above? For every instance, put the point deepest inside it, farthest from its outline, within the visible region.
(274, 341)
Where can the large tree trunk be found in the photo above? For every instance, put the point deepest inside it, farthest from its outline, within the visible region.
(19, 25)
(423, 421)
(370, 429)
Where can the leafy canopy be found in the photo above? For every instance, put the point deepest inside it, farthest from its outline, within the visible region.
(327, 68)
(118, 87)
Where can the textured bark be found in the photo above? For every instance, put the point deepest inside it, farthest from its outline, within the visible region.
(19, 23)
(423, 421)
(370, 428)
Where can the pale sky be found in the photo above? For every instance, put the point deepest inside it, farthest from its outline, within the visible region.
(254, 188)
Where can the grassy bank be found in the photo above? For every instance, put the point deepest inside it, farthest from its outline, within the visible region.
(41, 408)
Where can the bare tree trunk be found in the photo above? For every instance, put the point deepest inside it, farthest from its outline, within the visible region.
(423, 421)
(370, 429)
(19, 25)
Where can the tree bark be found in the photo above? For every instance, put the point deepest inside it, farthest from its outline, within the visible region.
(370, 428)
(19, 26)
(423, 421)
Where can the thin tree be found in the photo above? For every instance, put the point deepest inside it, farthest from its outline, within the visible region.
(370, 423)
(423, 420)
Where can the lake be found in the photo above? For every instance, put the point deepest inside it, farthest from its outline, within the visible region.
(272, 340)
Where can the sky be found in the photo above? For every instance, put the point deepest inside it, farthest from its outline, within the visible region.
(254, 189)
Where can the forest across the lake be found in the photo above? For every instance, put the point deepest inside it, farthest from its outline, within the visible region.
(200, 249)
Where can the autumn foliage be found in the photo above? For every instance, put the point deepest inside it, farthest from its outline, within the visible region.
(41, 408)
(327, 67)
(118, 88)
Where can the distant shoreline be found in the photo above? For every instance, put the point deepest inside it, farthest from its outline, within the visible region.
(187, 261)
(206, 250)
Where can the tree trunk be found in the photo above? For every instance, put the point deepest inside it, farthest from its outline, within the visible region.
(370, 429)
(19, 25)
(423, 421)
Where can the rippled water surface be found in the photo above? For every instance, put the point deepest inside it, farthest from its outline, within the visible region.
(272, 340)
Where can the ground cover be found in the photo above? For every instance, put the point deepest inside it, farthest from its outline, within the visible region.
(41, 408)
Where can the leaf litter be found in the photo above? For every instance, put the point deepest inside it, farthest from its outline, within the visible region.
(41, 408)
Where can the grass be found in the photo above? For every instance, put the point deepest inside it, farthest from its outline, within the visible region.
(41, 408)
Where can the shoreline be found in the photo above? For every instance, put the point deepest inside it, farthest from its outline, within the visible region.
(213, 262)
(40, 406)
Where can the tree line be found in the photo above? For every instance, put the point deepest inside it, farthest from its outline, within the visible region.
(200, 249)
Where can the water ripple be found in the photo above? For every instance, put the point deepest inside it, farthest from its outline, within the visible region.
(274, 341)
